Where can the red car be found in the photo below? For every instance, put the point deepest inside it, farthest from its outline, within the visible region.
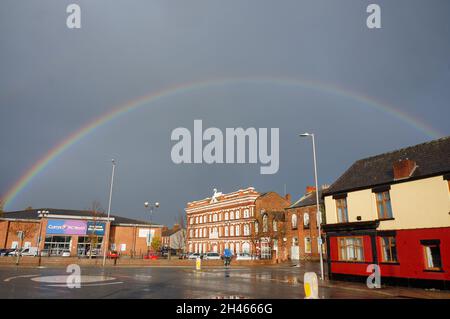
(113, 254)
(151, 256)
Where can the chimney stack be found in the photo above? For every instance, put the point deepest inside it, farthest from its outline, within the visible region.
(310, 189)
(176, 226)
(403, 168)
(288, 198)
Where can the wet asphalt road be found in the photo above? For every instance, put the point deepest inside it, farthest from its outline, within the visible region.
(157, 282)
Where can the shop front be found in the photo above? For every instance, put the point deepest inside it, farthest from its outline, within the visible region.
(73, 237)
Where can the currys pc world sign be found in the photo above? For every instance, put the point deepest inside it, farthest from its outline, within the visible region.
(66, 227)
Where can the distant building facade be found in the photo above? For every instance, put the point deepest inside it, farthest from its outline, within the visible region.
(392, 210)
(235, 221)
(174, 238)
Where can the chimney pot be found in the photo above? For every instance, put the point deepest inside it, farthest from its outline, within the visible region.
(310, 189)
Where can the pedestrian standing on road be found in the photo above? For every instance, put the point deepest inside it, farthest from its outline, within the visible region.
(227, 254)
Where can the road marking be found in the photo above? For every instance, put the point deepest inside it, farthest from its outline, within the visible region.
(22, 276)
(89, 285)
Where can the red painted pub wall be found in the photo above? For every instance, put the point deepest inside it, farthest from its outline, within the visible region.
(410, 255)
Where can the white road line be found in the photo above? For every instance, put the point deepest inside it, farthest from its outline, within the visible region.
(22, 276)
(88, 285)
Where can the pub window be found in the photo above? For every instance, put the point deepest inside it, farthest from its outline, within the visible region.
(384, 205)
(433, 259)
(351, 249)
(388, 249)
(341, 207)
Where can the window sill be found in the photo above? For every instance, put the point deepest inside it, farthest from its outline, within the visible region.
(386, 219)
(433, 270)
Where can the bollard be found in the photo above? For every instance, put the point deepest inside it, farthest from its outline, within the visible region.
(198, 264)
(311, 285)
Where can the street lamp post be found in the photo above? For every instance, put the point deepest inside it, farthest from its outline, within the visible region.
(106, 236)
(151, 207)
(42, 214)
(318, 213)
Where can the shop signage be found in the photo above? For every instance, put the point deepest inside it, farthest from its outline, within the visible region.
(96, 228)
(66, 227)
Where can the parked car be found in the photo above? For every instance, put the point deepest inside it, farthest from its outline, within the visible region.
(29, 251)
(94, 253)
(151, 256)
(6, 252)
(194, 256)
(212, 256)
(65, 253)
(113, 254)
(244, 256)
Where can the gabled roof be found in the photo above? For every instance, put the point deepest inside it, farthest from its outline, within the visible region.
(32, 214)
(432, 159)
(308, 199)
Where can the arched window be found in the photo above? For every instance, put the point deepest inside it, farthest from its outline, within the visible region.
(231, 230)
(226, 215)
(196, 219)
(226, 231)
(231, 215)
(294, 221)
(196, 233)
(274, 225)
(246, 213)
(191, 221)
(265, 223)
(191, 233)
(256, 227)
(306, 220)
(238, 214)
(238, 230)
(215, 217)
(204, 232)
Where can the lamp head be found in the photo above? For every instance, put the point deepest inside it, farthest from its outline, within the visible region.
(146, 204)
(305, 134)
(157, 204)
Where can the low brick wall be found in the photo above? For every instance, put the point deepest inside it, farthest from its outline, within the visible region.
(64, 261)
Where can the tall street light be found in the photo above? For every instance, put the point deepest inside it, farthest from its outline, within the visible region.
(42, 214)
(150, 207)
(106, 237)
(318, 213)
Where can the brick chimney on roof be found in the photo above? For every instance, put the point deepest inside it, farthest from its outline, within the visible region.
(165, 228)
(288, 197)
(310, 189)
(403, 168)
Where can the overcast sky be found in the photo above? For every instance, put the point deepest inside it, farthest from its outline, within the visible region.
(54, 80)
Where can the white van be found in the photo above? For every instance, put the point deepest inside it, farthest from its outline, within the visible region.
(29, 251)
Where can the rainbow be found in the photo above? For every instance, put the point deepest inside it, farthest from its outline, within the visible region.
(185, 88)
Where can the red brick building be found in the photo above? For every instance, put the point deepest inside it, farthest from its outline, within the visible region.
(77, 232)
(302, 232)
(238, 221)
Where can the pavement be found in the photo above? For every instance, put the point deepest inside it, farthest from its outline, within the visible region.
(263, 282)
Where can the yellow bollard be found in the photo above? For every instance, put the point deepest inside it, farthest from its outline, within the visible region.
(311, 286)
(198, 264)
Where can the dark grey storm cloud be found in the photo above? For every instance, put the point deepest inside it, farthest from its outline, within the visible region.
(54, 80)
